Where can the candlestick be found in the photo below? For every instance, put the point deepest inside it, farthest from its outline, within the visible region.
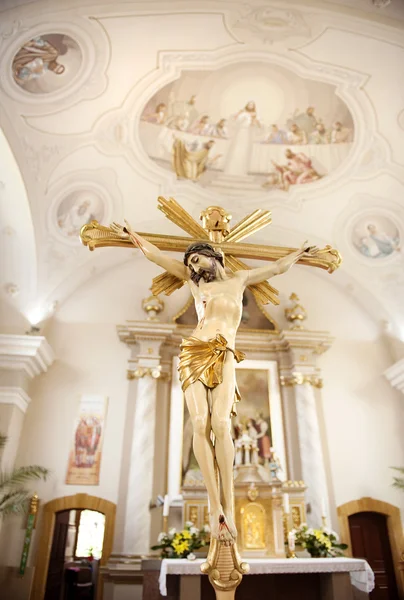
(165, 524)
(286, 505)
(166, 507)
(292, 544)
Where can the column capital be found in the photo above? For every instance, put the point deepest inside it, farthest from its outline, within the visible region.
(315, 342)
(145, 339)
(395, 375)
(31, 354)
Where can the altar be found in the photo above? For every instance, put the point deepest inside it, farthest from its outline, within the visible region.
(303, 578)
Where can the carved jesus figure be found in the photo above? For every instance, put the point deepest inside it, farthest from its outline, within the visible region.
(208, 360)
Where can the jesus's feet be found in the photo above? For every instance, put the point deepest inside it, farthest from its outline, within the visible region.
(222, 527)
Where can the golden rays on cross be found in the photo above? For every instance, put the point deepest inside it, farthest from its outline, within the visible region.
(214, 229)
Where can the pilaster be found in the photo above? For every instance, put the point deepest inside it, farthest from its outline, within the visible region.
(144, 369)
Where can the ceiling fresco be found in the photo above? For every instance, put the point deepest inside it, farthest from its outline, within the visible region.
(295, 109)
(249, 128)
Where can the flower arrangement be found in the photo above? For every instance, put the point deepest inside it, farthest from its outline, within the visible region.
(319, 543)
(182, 544)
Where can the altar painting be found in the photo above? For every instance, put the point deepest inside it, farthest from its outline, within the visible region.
(245, 128)
(259, 414)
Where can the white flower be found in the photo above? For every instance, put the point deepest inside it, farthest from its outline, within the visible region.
(206, 528)
(161, 537)
(191, 556)
(171, 532)
(188, 524)
(193, 530)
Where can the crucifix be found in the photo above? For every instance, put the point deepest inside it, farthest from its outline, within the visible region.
(217, 279)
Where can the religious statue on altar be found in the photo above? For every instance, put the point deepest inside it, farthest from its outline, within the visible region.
(208, 358)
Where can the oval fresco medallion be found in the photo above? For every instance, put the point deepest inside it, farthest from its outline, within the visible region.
(77, 209)
(47, 63)
(375, 236)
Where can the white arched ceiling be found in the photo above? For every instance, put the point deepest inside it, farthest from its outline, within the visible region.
(18, 257)
(82, 141)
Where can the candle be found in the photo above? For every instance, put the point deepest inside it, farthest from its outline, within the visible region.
(291, 541)
(286, 507)
(166, 507)
(323, 507)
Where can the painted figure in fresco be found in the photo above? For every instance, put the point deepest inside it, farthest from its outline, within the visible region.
(340, 134)
(306, 121)
(34, 59)
(298, 169)
(276, 136)
(208, 358)
(378, 244)
(201, 126)
(159, 116)
(190, 161)
(239, 154)
(220, 130)
(73, 220)
(320, 135)
(264, 441)
(296, 136)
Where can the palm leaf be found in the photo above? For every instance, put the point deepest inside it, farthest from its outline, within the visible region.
(14, 502)
(398, 482)
(22, 475)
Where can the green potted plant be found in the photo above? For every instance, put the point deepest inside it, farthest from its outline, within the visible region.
(13, 494)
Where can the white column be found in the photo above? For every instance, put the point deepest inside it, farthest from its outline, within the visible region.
(140, 480)
(311, 453)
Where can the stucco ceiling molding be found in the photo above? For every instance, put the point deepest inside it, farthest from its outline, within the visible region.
(90, 80)
(102, 182)
(266, 23)
(29, 353)
(348, 84)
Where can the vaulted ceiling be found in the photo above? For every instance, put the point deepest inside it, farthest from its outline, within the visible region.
(80, 84)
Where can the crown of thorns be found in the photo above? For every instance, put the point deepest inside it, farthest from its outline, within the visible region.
(205, 249)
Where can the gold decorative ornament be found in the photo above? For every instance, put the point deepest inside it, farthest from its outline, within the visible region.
(253, 492)
(153, 305)
(301, 379)
(153, 372)
(296, 313)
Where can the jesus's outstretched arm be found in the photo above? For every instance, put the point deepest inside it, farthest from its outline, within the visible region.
(173, 266)
(276, 268)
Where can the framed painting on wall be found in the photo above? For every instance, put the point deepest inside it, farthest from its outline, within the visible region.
(259, 413)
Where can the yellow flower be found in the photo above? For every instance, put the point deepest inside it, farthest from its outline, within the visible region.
(186, 535)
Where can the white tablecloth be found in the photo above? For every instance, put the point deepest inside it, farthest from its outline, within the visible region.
(362, 576)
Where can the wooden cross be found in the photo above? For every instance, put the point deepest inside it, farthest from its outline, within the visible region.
(214, 229)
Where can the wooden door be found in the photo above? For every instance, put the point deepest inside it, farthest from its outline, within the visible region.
(370, 540)
(57, 557)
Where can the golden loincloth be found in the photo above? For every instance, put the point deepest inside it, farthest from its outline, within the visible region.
(204, 361)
